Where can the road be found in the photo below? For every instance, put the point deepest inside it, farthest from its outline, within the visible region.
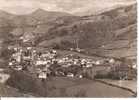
(129, 84)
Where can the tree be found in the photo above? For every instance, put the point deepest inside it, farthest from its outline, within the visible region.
(77, 35)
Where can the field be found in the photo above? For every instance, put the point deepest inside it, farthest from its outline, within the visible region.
(64, 87)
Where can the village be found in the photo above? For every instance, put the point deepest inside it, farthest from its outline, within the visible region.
(73, 48)
(50, 63)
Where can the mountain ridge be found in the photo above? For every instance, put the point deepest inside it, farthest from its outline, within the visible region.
(65, 28)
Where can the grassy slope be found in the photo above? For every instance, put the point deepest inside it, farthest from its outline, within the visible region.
(117, 36)
(7, 91)
(64, 87)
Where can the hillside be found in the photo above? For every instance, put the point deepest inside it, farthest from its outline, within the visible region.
(12, 27)
(113, 29)
(7, 91)
(109, 33)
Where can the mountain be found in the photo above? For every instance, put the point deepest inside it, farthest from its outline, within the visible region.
(38, 22)
(108, 33)
(40, 13)
(98, 34)
(107, 5)
(5, 18)
(4, 14)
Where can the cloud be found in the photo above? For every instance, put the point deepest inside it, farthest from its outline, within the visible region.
(70, 6)
(26, 6)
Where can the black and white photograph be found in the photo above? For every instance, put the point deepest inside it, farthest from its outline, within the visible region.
(68, 48)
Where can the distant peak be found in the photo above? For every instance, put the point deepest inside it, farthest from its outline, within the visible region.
(2, 11)
(39, 10)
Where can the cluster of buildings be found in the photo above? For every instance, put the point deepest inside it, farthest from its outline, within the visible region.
(45, 63)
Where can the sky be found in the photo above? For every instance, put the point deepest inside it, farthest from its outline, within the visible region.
(70, 6)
